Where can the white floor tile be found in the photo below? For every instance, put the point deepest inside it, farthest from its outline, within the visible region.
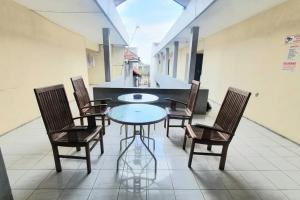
(21, 194)
(107, 194)
(57, 180)
(161, 195)
(271, 195)
(183, 179)
(216, 195)
(260, 165)
(292, 194)
(281, 180)
(189, 195)
(244, 194)
(75, 194)
(45, 194)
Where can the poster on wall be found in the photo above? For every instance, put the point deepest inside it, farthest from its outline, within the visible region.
(293, 44)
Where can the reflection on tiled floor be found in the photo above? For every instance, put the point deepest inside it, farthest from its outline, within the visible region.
(260, 165)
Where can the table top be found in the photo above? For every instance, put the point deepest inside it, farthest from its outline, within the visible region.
(137, 114)
(146, 98)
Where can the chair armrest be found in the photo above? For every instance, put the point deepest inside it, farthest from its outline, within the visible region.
(212, 128)
(86, 116)
(74, 129)
(91, 118)
(101, 100)
(176, 101)
(94, 106)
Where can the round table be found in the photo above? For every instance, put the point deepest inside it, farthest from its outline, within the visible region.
(129, 98)
(146, 98)
(137, 115)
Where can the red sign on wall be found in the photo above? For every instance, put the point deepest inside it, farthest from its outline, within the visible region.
(293, 42)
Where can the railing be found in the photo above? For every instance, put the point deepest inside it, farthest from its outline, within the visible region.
(118, 87)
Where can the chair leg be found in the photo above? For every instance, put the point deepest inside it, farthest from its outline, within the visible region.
(81, 122)
(209, 147)
(108, 121)
(165, 122)
(168, 126)
(103, 124)
(182, 123)
(78, 148)
(184, 139)
(56, 158)
(191, 120)
(88, 158)
(101, 143)
(191, 154)
(223, 157)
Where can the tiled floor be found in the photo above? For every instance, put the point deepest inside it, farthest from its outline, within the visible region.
(260, 165)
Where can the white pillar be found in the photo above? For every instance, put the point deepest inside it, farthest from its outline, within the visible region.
(166, 68)
(107, 54)
(193, 53)
(175, 58)
(162, 61)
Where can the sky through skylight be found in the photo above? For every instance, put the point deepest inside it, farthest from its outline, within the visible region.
(148, 21)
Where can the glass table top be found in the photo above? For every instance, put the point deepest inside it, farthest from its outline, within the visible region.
(137, 114)
(146, 98)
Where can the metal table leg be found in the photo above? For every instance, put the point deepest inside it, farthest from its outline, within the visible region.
(141, 128)
(149, 138)
(134, 134)
(126, 137)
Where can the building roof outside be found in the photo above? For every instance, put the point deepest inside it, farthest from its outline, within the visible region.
(130, 55)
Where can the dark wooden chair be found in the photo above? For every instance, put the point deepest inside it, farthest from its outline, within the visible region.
(223, 130)
(88, 106)
(60, 126)
(185, 113)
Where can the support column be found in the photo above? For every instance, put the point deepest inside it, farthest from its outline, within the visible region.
(166, 70)
(162, 62)
(175, 57)
(193, 53)
(107, 53)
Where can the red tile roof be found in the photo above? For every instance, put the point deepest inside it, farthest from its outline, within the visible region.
(130, 55)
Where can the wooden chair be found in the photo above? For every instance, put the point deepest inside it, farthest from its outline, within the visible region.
(223, 130)
(185, 113)
(87, 106)
(61, 130)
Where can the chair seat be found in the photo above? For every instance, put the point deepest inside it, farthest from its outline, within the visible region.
(178, 113)
(96, 110)
(209, 136)
(82, 135)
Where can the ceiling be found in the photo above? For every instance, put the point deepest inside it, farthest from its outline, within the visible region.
(118, 2)
(184, 3)
(218, 16)
(85, 17)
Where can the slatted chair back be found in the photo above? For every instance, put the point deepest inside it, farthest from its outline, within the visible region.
(193, 95)
(79, 86)
(54, 108)
(80, 100)
(232, 110)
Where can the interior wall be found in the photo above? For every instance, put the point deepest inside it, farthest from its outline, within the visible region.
(250, 56)
(182, 62)
(97, 74)
(117, 61)
(33, 53)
